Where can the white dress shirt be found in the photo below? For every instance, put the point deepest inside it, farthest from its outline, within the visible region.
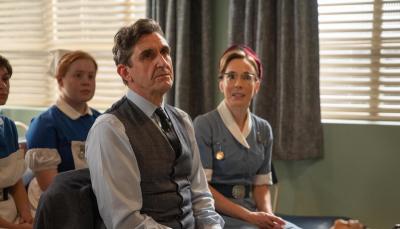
(116, 177)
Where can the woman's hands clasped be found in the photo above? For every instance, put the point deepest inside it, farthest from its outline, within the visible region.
(266, 220)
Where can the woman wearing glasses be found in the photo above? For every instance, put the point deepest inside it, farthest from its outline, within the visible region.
(235, 146)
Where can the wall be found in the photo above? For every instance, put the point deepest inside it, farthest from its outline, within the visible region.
(22, 115)
(358, 177)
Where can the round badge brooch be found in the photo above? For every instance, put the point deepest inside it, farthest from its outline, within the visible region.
(219, 155)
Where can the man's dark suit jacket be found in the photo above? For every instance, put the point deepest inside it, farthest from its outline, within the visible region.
(69, 202)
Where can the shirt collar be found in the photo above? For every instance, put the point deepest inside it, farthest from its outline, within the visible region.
(146, 106)
(233, 127)
(70, 111)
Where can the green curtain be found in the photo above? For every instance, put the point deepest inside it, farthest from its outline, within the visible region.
(187, 27)
(284, 33)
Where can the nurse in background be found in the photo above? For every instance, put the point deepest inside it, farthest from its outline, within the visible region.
(14, 205)
(235, 146)
(56, 138)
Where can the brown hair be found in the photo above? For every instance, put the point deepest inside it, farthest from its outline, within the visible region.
(67, 59)
(127, 37)
(240, 52)
(6, 64)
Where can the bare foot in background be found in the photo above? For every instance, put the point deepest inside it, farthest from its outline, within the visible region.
(347, 224)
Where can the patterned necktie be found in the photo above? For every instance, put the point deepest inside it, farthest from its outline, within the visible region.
(168, 130)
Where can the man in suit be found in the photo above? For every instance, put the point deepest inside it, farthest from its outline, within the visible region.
(142, 154)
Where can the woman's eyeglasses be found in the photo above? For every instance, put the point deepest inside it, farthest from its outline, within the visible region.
(233, 76)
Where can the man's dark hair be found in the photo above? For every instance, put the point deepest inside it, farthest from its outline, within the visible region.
(128, 36)
(4, 63)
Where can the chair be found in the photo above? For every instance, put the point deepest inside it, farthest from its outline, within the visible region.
(69, 202)
(22, 128)
(275, 189)
(306, 222)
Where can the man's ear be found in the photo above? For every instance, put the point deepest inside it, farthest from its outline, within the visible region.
(123, 71)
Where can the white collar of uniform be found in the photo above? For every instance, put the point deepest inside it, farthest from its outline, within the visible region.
(233, 127)
(70, 111)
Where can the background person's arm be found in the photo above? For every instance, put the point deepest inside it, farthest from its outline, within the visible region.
(21, 201)
(42, 156)
(260, 218)
(45, 178)
(5, 224)
(262, 197)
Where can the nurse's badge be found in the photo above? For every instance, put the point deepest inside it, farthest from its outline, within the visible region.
(219, 155)
(81, 153)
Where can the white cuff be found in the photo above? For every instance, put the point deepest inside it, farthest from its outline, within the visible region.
(261, 179)
(208, 173)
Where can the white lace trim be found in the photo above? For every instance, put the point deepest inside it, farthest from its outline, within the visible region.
(208, 173)
(39, 159)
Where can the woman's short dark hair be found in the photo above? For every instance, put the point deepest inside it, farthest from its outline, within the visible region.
(6, 64)
(126, 38)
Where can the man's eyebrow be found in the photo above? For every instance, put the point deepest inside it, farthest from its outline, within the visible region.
(146, 51)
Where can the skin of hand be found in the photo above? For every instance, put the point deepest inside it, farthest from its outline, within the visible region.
(5, 224)
(26, 218)
(261, 219)
(22, 226)
(266, 220)
(262, 197)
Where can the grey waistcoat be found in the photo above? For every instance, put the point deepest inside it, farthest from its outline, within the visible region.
(165, 183)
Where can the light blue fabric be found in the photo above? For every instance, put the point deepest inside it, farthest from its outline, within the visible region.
(239, 165)
(8, 137)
